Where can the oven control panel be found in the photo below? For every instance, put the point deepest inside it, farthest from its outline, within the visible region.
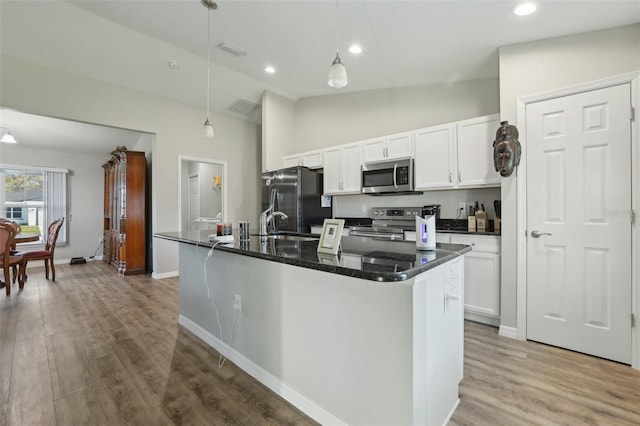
(396, 212)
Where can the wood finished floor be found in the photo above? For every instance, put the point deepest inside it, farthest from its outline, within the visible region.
(95, 348)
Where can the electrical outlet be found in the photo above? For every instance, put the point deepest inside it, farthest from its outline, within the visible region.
(237, 303)
(462, 211)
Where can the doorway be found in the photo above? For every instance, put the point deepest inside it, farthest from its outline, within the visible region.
(202, 193)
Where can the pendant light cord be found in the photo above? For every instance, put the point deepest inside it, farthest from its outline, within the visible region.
(337, 30)
(208, 60)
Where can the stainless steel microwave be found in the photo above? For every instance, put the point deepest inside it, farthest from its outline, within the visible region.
(388, 177)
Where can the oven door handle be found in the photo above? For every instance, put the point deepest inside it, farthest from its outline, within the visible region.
(395, 168)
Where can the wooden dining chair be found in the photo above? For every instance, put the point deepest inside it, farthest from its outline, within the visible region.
(7, 259)
(46, 254)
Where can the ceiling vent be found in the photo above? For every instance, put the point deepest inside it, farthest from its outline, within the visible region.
(243, 107)
(235, 51)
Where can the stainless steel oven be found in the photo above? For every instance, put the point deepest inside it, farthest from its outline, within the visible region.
(388, 177)
(389, 223)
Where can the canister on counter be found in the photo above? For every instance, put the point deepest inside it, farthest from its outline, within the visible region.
(243, 230)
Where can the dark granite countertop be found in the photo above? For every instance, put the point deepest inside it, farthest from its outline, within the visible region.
(361, 257)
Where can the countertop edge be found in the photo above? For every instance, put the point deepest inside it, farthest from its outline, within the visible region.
(331, 268)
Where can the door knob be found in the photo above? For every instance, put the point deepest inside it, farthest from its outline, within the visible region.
(538, 234)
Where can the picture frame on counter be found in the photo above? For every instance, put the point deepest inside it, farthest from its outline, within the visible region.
(331, 235)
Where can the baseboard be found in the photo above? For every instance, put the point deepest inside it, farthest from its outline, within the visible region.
(483, 319)
(162, 275)
(510, 332)
(274, 383)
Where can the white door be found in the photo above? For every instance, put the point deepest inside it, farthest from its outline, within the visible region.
(579, 200)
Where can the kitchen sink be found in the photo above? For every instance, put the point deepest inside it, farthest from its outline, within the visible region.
(291, 237)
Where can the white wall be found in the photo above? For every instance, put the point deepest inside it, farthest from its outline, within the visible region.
(278, 115)
(85, 194)
(177, 127)
(324, 121)
(543, 66)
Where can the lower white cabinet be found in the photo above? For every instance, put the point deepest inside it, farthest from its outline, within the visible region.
(481, 276)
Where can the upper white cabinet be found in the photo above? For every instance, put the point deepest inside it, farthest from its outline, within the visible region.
(311, 159)
(390, 147)
(456, 155)
(435, 157)
(342, 170)
(475, 151)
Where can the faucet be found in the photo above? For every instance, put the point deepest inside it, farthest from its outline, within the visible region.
(266, 217)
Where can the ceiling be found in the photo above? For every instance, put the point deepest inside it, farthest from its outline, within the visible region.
(405, 43)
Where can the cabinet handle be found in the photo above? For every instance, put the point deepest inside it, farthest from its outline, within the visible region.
(450, 178)
(459, 177)
(386, 152)
(452, 296)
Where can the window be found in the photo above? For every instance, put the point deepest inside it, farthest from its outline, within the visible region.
(34, 197)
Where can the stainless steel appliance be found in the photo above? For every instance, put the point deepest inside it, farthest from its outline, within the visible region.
(389, 222)
(388, 177)
(296, 192)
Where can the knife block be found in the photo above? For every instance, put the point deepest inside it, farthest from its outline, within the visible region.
(496, 224)
(481, 221)
(471, 221)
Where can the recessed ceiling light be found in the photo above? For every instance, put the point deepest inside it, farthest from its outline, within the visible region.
(175, 65)
(524, 9)
(270, 69)
(355, 49)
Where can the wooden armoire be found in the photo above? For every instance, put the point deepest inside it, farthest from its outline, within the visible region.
(125, 212)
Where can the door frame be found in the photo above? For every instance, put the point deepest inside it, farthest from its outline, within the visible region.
(521, 200)
(182, 158)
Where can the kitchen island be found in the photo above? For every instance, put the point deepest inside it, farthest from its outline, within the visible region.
(373, 336)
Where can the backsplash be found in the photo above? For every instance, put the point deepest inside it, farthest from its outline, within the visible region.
(360, 205)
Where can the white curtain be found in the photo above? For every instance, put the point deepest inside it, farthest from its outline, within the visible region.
(55, 202)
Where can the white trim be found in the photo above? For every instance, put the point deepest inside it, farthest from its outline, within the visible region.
(483, 319)
(521, 215)
(163, 275)
(510, 332)
(223, 189)
(274, 383)
(21, 167)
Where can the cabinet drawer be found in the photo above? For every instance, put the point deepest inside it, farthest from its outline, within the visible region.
(481, 243)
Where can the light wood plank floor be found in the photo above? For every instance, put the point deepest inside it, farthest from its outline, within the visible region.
(97, 348)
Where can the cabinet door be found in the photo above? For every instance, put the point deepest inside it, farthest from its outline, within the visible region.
(313, 159)
(291, 161)
(475, 151)
(481, 274)
(434, 163)
(482, 283)
(351, 169)
(399, 146)
(374, 150)
(331, 175)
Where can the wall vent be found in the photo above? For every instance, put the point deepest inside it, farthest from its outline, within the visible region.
(235, 51)
(243, 107)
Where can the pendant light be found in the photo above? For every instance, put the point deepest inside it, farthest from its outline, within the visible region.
(337, 72)
(208, 127)
(8, 137)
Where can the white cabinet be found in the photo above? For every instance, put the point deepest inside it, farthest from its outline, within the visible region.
(456, 155)
(390, 147)
(342, 170)
(481, 276)
(435, 157)
(475, 151)
(311, 159)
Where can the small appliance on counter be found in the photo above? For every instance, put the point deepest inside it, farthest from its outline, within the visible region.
(432, 210)
(426, 233)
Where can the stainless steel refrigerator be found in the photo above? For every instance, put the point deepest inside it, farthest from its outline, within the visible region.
(296, 192)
